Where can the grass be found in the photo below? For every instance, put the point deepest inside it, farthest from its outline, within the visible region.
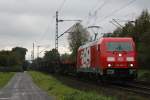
(5, 77)
(55, 87)
(144, 75)
(63, 92)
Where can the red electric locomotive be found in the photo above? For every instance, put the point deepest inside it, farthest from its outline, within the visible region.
(108, 57)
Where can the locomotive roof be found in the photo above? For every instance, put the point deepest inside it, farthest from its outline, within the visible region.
(89, 44)
(116, 38)
(105, 39)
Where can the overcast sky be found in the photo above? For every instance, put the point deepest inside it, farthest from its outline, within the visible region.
(23, 22)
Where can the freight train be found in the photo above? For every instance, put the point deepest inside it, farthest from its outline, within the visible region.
(105, 58)
(108, 58)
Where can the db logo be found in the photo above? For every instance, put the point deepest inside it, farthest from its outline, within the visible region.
(85, 57)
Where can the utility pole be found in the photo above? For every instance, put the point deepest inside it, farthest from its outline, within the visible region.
(57, 21)
(38, 51)
(56, 37)
(31, 55)
(33, 52)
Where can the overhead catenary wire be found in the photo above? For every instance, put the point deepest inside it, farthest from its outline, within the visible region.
(63, 40)
(118, 9)
(113, 24)
(42, 36)
(64, 45)
(95, 5)
(100, 7)
(45, 33)
(90, 12)
(59, 9)
(61, 6)
(44, 49)
(98, 10)
(95, 9)
(67, 31)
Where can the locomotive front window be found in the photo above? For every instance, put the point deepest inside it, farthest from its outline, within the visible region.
(119, 46)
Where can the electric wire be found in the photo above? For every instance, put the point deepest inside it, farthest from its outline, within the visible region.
(95, 12)
(98, 10)
(44, 49)
(45, 33)
(90, 12)
(61, 6)
(95, 5)
(118, 9)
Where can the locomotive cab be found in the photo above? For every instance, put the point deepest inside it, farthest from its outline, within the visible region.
(119, 58)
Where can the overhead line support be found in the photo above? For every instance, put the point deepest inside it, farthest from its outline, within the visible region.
(56, 36)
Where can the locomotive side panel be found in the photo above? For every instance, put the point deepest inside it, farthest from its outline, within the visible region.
(84, 59)
(93, 57)
(88, 59)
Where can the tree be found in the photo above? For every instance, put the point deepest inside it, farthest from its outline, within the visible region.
(77, 37)
(65, 57)
(142, 28)
(8, 58)
(52, 55)
(20, 52)
(140, 32)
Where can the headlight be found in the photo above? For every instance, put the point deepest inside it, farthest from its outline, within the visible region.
(131, 65)
(110, 58)
(109, 65)
(120, 54)
(130, 58)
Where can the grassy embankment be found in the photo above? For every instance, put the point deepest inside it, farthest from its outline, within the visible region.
(63, 92)
(144, 75)
(5, 77)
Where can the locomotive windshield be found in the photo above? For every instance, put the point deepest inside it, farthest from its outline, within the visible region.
(119, 46)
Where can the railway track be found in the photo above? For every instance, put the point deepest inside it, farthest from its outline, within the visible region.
(138, 87)
(134, 87)
(143, 83)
